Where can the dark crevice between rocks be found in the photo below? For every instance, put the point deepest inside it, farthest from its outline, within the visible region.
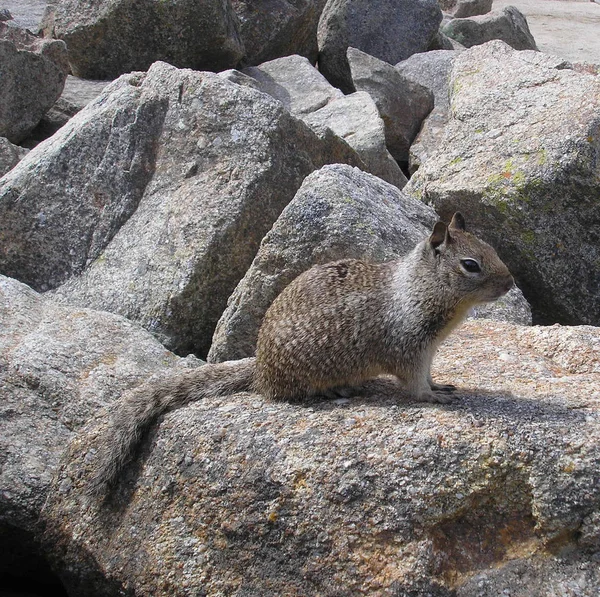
(405, 169)
(23, 569)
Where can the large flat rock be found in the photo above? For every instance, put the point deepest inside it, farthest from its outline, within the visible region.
(372, 495)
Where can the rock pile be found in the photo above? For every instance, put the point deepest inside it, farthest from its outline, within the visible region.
(158, 214)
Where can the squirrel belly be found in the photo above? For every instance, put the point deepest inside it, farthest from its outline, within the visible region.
(334, 326)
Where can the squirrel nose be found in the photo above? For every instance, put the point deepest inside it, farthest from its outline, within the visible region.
(510, 282)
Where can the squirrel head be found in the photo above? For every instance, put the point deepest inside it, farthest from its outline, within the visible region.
(467, 264)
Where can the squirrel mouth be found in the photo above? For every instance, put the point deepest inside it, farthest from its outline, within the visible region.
(508, 283)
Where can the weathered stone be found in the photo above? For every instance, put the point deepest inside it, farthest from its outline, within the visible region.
(68, 197)
(338, 212)
(512, 307)
(76, 94)
(55, 118)
(520, 156)
(443, 42)
(508, 25)
(402, 103)
(497, 494)
(80, 92)
(274, 28)
(58, 366)
(355, 119)
(471, 8)
(32, 75)
(239, 78)
(295, 82)
(107, 38)
(431, 70)
(168, 182)
(9, 155)
(390, 30)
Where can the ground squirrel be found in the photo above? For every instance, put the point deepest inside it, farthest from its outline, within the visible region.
(334, 326)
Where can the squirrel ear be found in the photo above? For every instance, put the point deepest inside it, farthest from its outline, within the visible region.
(458, 222)
(438, 236)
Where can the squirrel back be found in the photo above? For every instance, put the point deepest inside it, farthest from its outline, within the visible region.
(334, 326)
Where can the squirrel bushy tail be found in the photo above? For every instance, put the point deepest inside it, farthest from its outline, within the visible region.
(140, 407)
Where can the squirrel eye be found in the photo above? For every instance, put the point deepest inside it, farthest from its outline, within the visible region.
(470, 265)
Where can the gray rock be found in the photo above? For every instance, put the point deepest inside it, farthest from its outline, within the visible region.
(431, 70)
(495, 495)
(69, 196)
(512, 307)
(443, 42)
(169, 180)
(33, 73)
(274, 28)
(239, 78)
(76, 94)
(508, 25)
(355, 119)
(56, 117)
(80, 92)
(110, 37)
(338, 212)
(471, 8)
(403, 103)
(519, 155)
(58, 367)
(296, 83)
(390, 30)
(9, 155)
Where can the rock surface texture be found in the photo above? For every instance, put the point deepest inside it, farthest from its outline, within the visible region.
(471, 8)
(390, 30)
(9, 155)
(432, 71)
(273, 28)
(508, 25)
(355, 118)
(58, 366)
(169, 180)
(497, 494)
(520, 155)
(295, 82)
(32, 76)
(403, 104)
(107, 38)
